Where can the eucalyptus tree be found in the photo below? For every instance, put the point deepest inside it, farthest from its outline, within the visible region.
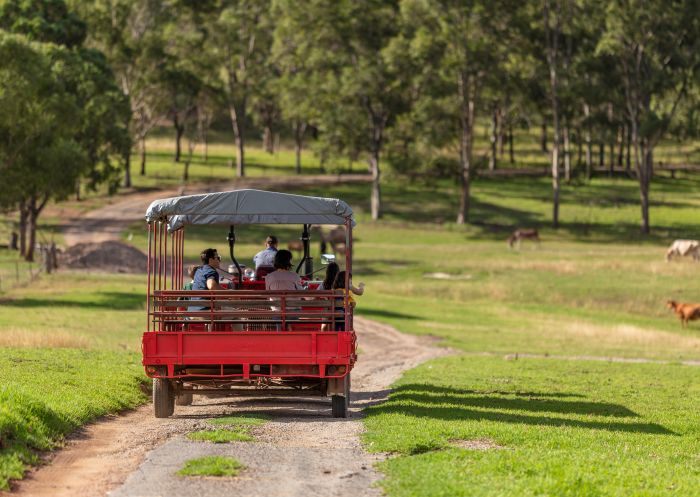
(353, 88)
(39, 148)
(461, 47)
(131, 35)
(657, 48)
(239, 39)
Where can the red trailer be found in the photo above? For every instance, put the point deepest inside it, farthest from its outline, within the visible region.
(248, 341)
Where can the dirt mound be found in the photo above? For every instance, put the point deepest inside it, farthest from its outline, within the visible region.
(110, 256)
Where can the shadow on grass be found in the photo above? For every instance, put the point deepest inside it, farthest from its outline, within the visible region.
(384, 314)
(453, 405)
(120, 301)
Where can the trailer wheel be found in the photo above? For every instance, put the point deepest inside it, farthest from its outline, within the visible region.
(163, 398)
(184, 399)
(341, 403)
(339, 406)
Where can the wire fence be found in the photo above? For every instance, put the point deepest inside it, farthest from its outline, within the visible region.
(16, 274)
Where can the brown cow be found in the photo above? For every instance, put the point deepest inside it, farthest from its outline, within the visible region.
(685, 312)
(523, 234)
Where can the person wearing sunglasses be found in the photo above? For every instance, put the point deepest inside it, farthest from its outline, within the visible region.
(207, 276)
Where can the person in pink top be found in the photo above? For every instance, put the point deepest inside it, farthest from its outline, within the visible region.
(283, 278)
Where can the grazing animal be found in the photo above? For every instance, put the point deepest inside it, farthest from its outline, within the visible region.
(335, 238)
(681, 248)
(296, 246)
(685, 312)
(523, 234)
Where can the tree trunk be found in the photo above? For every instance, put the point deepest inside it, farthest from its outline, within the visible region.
(511, 148)
(23, 217)
(179, 130)
(31, 228)
(628, 158)
(644, 180)
(543, 136)
(601, 154)
(34, 209)
(299, 131)
(579, 148)
(621, 133)
(127, 169)
(501, 131)
(143, 156)
(236, 123)
(552, 62)
(494, 139)
(268, 140)
(567, 153)
(77, 190)
(611, 155)
(376, 200)
(589, 142)
(467, 92)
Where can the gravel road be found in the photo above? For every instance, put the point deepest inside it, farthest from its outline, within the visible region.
(301, 451)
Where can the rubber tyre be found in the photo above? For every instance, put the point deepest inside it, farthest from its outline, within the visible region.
(347, 391)
(163, 398)
(339, 406)
(184, 399)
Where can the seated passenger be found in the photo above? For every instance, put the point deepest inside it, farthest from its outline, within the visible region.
(283, 278)
(267, 257)
(331, 273)
(191, 270)
(339, 288)
(206, 277)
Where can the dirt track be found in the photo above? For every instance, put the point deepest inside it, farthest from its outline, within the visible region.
(301, 451)
(110, 221)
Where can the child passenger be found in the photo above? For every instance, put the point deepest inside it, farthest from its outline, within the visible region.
(339, 288)
(190, 272)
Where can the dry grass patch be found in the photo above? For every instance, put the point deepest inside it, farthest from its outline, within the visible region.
(47, 338)
(623, 335)
(476, 444)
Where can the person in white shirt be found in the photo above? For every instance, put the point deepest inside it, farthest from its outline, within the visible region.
(267, 257)
(283, 278)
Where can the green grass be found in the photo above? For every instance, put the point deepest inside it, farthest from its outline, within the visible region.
(212, 466)
(236, 428)
(79, 310)
(221, 436)
(564, 428)
(240, 420)
(47, 393)
(68, 354)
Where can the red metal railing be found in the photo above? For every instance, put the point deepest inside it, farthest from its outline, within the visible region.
(245, 310)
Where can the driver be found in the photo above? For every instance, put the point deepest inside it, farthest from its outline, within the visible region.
(267, 257)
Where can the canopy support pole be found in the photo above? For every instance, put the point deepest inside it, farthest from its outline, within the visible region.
(306, 261)
(231, 243)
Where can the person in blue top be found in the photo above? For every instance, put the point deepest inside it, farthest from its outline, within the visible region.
(267, 257)
(207, 276)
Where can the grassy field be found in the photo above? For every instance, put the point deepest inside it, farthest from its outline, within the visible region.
(473, 424)
(68, 354)
(483, 426)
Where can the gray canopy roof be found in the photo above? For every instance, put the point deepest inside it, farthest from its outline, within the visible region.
(248, 207)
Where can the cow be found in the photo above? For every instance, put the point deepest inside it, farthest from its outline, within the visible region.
(523, 234)
(685, 312)
(683, 248)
